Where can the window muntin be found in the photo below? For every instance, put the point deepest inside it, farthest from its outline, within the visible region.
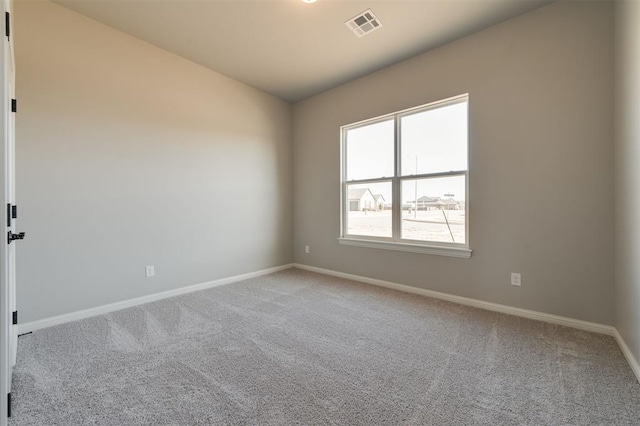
(424, 188)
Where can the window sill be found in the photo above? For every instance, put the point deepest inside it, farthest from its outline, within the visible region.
(459, 252)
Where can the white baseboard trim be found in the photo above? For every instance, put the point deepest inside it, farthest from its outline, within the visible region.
(525, 313)
(633, 362)
(99, 310)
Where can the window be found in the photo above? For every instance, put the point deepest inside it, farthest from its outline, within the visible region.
(405, 180)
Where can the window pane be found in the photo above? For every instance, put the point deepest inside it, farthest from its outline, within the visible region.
(370, 151)
(368, 208)
(440, 212)
(434, 140)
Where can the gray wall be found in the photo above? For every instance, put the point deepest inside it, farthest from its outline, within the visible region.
(541, 163)
(627, 177)
(129, 156)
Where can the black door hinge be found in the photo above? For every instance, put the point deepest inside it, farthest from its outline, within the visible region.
(15, 317)
(12, 213)
(9, 404)
(7, 24)
(14, 105)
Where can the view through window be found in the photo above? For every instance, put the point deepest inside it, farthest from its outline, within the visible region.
(405, 176)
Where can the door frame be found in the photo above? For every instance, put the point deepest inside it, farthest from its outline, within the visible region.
(6, 293)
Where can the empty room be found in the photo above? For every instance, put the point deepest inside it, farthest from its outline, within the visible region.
(310, 212)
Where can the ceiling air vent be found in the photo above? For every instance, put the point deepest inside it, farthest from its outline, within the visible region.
(364, 23)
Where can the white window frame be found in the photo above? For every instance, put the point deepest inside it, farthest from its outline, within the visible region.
(396, 242)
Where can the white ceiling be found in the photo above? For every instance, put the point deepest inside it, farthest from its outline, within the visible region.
(292, 49)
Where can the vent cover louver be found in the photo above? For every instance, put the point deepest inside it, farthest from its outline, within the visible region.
(364, 23)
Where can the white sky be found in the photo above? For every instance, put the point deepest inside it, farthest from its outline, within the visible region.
(435, 140)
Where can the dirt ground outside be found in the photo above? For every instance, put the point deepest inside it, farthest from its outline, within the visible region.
(423, 225)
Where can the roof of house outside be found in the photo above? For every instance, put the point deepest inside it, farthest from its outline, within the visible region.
(358, 193)
(426, 199)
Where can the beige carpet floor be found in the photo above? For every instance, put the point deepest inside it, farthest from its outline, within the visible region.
(299, 348)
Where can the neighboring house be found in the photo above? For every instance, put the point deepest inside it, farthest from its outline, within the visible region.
(361, 199)
(451, 204)
(431, 203)
(379, 201)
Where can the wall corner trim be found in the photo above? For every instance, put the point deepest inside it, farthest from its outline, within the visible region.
(633, 362)
(99, 310)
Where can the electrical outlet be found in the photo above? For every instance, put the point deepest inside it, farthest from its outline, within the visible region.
(516, 279)
(149, 271)
(306, 249)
